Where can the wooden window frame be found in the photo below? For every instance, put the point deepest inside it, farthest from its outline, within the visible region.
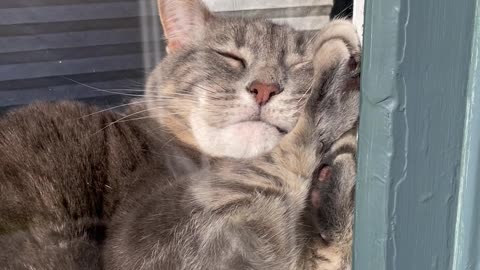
(419, 139)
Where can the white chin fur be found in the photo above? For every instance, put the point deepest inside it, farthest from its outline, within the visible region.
(240, 140)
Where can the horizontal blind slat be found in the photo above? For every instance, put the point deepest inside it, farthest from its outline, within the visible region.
(72, 40)
(67, 27)
(38, 3)
(71, 91)
(68, 67)
(51, 14)
(44, 82)
(65, 54)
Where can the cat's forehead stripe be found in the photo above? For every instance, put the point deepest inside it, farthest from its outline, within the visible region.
(259, 35)
(300, 43)
(239, 36)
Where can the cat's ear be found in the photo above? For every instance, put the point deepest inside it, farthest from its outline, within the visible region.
(183, 21)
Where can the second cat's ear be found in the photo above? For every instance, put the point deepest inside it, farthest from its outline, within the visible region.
(183, 21)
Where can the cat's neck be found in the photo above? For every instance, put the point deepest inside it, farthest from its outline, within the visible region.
(165, 131)
(164, 122)
(180, 132)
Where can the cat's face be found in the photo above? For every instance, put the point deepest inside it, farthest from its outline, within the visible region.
(230, 86)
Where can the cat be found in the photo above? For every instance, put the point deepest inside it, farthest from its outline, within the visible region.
(230, 90)
(248, 214)
(203, 89)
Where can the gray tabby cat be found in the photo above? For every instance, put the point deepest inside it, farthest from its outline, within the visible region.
(229, 88)
(249, 213)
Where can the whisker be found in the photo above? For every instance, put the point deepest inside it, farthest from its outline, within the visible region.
(303, 100)
(114, 107)
(145, 117)
(174, 137)
(124, 117)
(304, 94)
(339, 15)
(101, 90)
(314, 37)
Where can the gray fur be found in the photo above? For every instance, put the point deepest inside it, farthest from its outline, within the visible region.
(247, 214)
(272, 54)
(61, 178)
(215, 108)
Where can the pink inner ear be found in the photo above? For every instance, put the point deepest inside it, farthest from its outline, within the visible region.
(172, 46)
(183, 21)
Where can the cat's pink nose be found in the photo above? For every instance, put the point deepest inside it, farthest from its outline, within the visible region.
(263, 91)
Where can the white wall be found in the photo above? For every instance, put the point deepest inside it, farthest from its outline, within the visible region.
(307, 15)
(358, 15)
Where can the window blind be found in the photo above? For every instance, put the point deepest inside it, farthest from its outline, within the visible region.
(69, 49)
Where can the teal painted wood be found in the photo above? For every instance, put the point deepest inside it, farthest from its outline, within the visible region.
(415, 76)
(467, 238)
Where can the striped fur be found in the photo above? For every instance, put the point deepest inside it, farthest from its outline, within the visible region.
(200, 93)
(253, 213)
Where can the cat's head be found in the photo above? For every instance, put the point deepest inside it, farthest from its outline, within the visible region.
(229, 86)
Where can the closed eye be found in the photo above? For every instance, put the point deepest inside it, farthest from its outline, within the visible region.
(232, 56)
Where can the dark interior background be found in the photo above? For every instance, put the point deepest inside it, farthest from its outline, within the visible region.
(65, 49)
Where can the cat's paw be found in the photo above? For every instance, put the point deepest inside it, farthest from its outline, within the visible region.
(333, 189)
(343, 30)
(331, 202)
(336, 41)
(331, 53)
(333, 105)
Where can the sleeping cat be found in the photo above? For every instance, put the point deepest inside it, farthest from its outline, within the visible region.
(229, 92)
(247, 214)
